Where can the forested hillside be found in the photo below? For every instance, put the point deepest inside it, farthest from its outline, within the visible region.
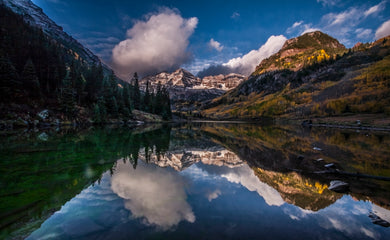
(38, 72)
(354, 81)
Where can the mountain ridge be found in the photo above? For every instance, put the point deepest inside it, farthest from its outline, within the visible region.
(35, 16)
(351, 81)
(188, 92)
(300, 51)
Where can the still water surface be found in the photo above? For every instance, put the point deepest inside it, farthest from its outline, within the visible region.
(197, 181)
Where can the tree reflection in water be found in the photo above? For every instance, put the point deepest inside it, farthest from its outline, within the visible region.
(278, 163)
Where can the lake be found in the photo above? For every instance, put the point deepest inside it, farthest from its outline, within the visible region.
(194, 181)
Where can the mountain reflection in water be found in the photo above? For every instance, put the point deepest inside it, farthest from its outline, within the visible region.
(213, 181)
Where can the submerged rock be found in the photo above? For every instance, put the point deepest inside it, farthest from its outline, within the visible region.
(338, 186)
(375, 219)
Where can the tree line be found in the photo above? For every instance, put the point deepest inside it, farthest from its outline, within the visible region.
(38, 71)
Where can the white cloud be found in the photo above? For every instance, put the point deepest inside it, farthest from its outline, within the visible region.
(328, 2)
(159, 43)
(246, 177)
(383, 30)
(235, 15)
(343, 25)
(152, 193)
(308, 28)
(294, 26)
(213, 195)
(374, 9)
(349, 16)
(301, 28)
(216, 45)
(381, 212)
(247, 63)
(362, 33)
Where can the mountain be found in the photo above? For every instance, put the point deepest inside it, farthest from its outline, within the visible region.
(178, 78)
(183, 78)
(301, 51)
(284, 157)
(312, 76)
(188, 92)
(35, 16)
(223, 82)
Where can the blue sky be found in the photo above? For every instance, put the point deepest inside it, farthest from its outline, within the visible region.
(149, 36)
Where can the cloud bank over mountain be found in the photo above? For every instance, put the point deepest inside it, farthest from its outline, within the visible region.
(246, 64)
(383, 30)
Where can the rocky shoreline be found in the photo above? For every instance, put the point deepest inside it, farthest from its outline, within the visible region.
(47, 119)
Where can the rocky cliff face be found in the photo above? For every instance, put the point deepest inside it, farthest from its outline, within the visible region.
(179, 78)
(35, 16)
(184, 79)
(222, 82)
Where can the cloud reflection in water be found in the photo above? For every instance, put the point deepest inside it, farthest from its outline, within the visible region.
(152, 193)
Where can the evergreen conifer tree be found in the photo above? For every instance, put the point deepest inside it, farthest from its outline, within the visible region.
(97, 118)
(137, 92)
(146, 100)
(126, 98)
(30, 80)
(67, 97)
(9, 79)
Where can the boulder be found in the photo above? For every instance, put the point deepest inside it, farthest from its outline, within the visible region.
(330, 165)
(44, 114)
(43, 137)
(338, 186)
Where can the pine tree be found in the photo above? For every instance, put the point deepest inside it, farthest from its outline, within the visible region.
(121, 105)
(158, 102)
(114, 110)
(80, 86)
(30, 80)
(9, 80)
(67, 97)
(97, 118)
(137, 92)
(146, 100)
(94, 82)
(126, 98)
(102, 108)
(166, 109)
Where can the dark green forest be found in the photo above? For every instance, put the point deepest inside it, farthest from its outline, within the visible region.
(64, 160)
(38, 72)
